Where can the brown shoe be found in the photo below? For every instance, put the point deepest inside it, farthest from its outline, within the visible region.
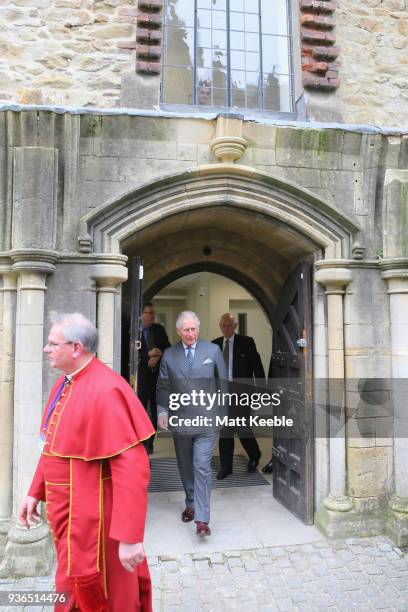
(187, 515)
(202, 529)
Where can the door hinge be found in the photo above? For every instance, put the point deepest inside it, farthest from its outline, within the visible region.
(302, 342)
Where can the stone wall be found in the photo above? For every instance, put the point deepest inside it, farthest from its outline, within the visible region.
(75, 52)
(64, 51)
(373, 38)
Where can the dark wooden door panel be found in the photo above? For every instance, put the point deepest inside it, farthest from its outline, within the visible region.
(136, 319)
(291, 364)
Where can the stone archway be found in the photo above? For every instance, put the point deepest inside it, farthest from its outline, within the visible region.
(207, 188)
(271, 225)
(268, 222)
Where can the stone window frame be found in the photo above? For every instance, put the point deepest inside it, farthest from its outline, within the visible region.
(315, 54)
(292, 21)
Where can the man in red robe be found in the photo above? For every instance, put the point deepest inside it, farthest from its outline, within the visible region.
(93, 475)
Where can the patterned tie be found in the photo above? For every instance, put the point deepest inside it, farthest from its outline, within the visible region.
(225, 353)
(189, 357)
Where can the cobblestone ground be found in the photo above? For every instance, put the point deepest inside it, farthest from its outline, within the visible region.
(355, 574)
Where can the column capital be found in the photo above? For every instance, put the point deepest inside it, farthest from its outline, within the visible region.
(395, 272)
(34, 260)
(9, 277)
(335, 277)
(108, 276)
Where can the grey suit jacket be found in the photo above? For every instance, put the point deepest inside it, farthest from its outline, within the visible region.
(206, 376)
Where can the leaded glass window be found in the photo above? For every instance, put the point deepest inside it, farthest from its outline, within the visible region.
(228, 53)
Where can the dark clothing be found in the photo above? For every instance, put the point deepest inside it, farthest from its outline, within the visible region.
(246, 364)
(147, 377)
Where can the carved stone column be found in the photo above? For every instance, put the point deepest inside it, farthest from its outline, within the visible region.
(397, 278)
(32, 268)
(335, 279)
(107, 277)
(7, 401)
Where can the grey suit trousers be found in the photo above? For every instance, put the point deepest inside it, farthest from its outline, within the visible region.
(194, 462)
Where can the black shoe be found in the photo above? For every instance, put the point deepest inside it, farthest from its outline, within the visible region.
(223, 473)
(268, 468)
(252, 465)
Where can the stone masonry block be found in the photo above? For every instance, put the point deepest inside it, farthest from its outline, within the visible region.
(35, 197)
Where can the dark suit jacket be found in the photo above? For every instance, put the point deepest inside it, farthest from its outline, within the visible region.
(147, 377)
(161, 341)
(207, 374)
(246, 362)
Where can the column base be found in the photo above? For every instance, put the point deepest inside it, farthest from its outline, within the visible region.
(28, 552)
(397, 521)
(4, 529)
(341, 524)
(338, 504)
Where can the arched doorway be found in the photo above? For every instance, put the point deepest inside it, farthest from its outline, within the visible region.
(227, 219)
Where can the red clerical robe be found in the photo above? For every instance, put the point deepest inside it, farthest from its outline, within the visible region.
(93, 475)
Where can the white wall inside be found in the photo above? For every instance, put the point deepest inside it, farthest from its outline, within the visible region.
(210, 295)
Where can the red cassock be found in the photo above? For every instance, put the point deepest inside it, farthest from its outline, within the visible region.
(93, 475)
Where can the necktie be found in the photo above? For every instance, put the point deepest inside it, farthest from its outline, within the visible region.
(225, 353)
(189, 357)
(149, 338)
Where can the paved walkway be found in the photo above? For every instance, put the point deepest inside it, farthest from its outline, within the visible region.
(260, 558)
(356, 574)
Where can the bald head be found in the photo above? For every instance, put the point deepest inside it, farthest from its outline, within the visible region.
(228, 325)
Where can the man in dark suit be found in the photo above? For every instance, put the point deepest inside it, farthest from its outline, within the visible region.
(242, 361)
(190, 366)
(154, 343)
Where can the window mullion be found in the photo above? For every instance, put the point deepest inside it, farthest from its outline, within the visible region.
(290, 47)
(261, 77)
(195, 54)
(229, 86)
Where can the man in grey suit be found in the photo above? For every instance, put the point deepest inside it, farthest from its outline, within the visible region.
(189, 367)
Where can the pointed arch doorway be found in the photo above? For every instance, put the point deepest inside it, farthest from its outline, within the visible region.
(227, 217)
(288, 315)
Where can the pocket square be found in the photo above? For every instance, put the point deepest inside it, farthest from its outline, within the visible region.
(207, 361)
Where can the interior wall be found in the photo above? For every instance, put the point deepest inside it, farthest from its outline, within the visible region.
(211, 295)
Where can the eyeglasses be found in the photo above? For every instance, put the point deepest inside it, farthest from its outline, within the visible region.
(54, 344)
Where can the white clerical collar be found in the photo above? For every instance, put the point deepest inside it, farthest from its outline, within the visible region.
(69, 377)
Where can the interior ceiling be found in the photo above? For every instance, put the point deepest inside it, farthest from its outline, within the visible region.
(279, 241)
(245, 246)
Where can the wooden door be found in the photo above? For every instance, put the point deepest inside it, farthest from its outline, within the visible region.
(291, 366)
(136, 328)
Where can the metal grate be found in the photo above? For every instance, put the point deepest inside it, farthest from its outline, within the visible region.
(165, 475)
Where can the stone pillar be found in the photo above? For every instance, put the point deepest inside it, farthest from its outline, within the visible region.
(397, 519)
(32, 269)
(7, 402)
(107, 277)
(335, 279)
